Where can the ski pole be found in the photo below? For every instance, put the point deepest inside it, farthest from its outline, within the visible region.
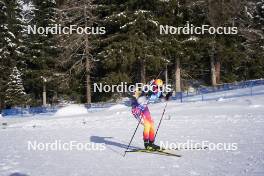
(159, 73)
(132, 136)
(161, 120)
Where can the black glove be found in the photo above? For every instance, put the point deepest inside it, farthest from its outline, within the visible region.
(168, 95)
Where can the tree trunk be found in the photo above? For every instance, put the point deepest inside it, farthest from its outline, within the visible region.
(87, 64)
(44, 95)
(88, 81)
(166, 74)
(142, 71)
(218, 71)
(1, 104)
(177, 75)
(213, 72)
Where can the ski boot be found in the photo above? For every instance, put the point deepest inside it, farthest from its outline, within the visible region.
(146, 145)
(154, 146)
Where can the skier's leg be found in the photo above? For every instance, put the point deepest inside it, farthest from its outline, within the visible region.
(152, 138)
(151, 131)
(146, 133)
(150, 123)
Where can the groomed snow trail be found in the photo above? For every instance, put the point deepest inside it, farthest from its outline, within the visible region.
(239, 120)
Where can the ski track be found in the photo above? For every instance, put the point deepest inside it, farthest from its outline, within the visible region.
(239, 120)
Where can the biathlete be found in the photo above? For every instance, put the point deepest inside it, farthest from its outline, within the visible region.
(140, 110)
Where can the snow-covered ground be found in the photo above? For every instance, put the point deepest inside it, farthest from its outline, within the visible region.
(227, 94)
(236, 120)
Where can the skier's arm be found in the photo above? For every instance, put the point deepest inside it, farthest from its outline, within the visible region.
(137, 112)
(138, 106)
(168, 95)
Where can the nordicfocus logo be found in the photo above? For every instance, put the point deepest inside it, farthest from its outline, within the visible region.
(58, 145)
(191, 145)
(190, 29)
(72, 29)
(124, 87)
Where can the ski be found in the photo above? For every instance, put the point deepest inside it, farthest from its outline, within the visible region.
(159, 152)
(194, 148)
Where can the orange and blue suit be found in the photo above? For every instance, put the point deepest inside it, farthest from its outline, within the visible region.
(141, 112)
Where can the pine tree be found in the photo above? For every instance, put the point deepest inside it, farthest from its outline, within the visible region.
(27, 10)
(15, 93)
(27, 15)
(3, 50)
(43, 46)
(260, 13)
(256, 48)
(252, 31)
(131, 45)
(41, 50)
(10, 27)
(179, 49)
(78, 49)
(11, 40)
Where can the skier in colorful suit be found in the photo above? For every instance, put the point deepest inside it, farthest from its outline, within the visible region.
(141, 112)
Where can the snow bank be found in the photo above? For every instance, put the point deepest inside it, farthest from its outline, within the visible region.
(255, 106)
(117, 107)
(72, 110)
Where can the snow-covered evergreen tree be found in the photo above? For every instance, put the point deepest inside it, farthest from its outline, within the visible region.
(27, 10)
(11, 40)
(41, 51)
(253, 33)
(259, 14)
(132, 40)
(10, 27)
(15, 93)
(3, 49)
(179, 49)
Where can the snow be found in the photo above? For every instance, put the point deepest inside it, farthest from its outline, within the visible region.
(72, 110)
(227, 94)
(130, 23)
(156, 23)
(11, 34)
(141, 11)
(193, 38)
(117, 107)
(234, 120)
(27, 10)
(121, 14)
